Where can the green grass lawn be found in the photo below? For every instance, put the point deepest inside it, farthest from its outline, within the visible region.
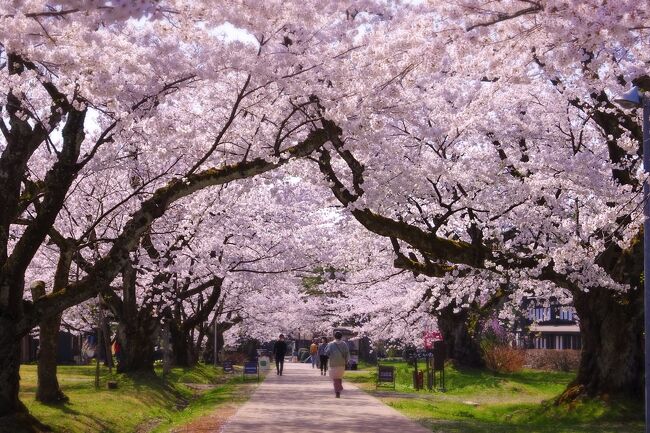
(140, 404)
(480, 401)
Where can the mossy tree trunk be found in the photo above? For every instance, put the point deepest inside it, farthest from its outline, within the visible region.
(611, 361)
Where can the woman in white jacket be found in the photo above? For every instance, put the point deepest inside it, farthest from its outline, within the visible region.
(338, 354)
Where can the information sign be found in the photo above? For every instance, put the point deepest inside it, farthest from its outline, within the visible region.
(386, 374)
(439, 355)
(250, 368)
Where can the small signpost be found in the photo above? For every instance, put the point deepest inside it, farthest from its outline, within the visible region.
(429, 373)
(265, 362)
(385, 374)
(417, 375)
(251, 368)
(439, 358)
(228, 367)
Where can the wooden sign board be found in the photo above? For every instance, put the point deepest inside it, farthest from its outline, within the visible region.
(386, 374)
(439, 355)
(228, 367)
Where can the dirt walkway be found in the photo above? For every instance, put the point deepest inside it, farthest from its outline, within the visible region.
(303, 401)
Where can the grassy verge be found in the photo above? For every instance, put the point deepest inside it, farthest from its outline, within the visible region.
(479, 401)
(139, 404)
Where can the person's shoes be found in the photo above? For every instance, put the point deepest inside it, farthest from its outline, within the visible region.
(338, 395)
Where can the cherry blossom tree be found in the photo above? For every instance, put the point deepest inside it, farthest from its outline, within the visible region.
(139, 111)
(512, 159)
(477, 139)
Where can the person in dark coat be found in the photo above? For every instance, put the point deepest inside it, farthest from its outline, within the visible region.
(279, 351)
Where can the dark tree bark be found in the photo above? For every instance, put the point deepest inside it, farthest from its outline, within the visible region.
(222, 327)
(22, 141)
(9, 369)
(183, 346)
(48, 390)
(137, 328)
(106, 341)
(137, 338)
(612, 355)
(182, 327)
(462, 344)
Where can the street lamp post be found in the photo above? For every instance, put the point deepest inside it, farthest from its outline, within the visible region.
(635, 98)
(214, 348)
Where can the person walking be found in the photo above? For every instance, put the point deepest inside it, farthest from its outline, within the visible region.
(322, 347)
(279, 351)
(339, 355)
(313, 353)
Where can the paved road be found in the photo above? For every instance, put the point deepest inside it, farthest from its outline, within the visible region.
(303, 401)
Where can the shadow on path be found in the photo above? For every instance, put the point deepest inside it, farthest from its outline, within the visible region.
(303, 401)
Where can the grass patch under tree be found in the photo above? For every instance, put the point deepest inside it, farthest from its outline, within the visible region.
(139, 404)
(480, 401)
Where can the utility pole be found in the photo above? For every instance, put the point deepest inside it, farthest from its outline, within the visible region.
(636, 98)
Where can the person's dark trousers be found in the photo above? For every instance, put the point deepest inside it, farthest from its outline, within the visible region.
(323, 364)
(279, 364)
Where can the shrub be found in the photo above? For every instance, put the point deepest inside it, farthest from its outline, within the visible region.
(503, 358)
(497, 350)
(551, 359)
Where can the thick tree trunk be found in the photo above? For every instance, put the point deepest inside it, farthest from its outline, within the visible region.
(182, 346)
(48, 390)
(9, 369)
(14, 416)
(612, 356)
(137, 338)
(137, 329)
(461, 341)
(11, 312)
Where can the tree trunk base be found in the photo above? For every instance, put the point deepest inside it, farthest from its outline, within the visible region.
(57, 397)
(572, 393)
(22, 423)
